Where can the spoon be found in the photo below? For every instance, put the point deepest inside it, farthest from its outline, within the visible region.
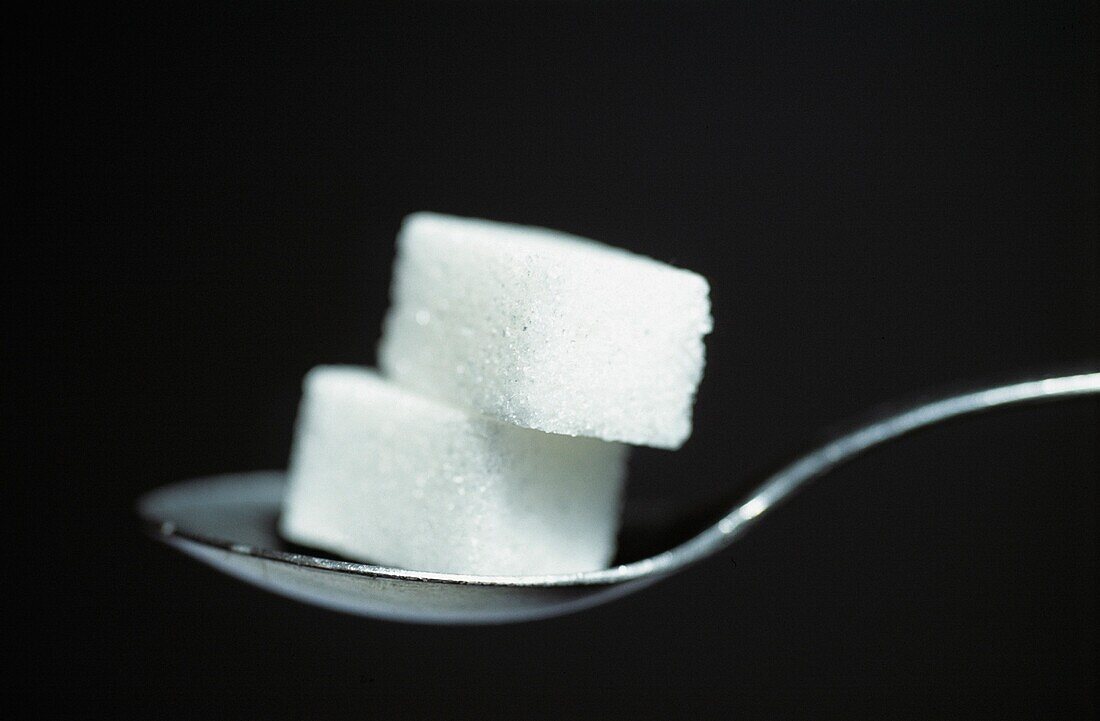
(229, 523)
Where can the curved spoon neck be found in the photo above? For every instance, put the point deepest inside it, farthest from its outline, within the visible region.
(781, 485)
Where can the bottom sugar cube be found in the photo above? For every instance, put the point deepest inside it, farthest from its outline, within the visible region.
(381, 474)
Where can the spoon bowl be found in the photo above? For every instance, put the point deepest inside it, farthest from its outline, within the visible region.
(229, 522)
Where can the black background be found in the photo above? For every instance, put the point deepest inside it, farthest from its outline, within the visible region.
(885, 198)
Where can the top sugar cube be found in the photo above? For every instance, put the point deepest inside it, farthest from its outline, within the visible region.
(546, 330)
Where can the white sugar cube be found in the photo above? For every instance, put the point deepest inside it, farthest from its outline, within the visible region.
(381, 474)
(546, 330)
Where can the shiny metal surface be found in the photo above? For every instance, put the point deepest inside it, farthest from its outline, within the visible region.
(228, 522)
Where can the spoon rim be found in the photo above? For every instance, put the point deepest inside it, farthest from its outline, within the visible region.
(169, 532)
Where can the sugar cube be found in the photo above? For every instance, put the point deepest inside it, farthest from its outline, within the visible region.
(381, 474)
(546, 330)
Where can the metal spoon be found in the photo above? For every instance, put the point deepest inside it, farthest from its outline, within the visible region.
(229, 523)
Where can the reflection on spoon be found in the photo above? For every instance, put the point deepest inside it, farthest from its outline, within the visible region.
(229, 523)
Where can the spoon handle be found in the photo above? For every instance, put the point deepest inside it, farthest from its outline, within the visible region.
(782, 484)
